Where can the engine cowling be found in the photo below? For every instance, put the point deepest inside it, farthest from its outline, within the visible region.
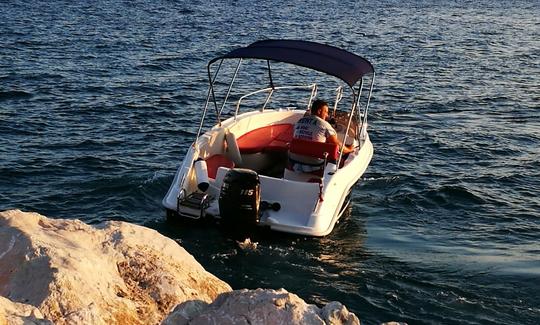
(239, 199)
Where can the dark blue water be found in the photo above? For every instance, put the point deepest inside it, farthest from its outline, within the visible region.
(99, 99)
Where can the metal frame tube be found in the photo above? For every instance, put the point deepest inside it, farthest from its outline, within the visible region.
(364, 120)
(354, 105)
(339, 96)
(313, 88)
(313, 95)
(360, 114)
(210, 91)
(268, 98)
(270, 74)
(271, 86)
(230, 86)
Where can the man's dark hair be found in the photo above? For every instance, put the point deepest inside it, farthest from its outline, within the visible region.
(317, 104)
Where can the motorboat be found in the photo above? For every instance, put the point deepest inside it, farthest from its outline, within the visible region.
(238, 169)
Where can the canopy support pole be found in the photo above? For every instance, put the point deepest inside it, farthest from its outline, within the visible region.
(271, 86)
(363, 127)
(230, 86)
(210, 93)
(356, 98)
(212, 80)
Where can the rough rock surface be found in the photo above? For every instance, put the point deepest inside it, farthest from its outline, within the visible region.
(259, 307)
(111, 273)
(68, 272)
(12, 313)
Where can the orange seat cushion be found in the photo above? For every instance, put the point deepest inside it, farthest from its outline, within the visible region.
(269, 138)
(216, 161)
(314, 149)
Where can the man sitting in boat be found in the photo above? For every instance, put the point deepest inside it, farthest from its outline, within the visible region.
(314, 127)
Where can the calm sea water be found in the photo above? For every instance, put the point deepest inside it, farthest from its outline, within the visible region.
(99, 100)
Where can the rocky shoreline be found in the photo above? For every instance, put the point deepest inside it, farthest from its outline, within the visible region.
(57, 271)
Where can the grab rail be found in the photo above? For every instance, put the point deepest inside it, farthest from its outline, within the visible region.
(271, 90)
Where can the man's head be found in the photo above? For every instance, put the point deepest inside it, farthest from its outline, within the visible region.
(320, 108)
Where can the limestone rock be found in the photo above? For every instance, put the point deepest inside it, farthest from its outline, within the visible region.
(12, 313)
(111, 273)
(184, 312)
(335, 313)
(260, 307)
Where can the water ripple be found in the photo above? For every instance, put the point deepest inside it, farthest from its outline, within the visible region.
(99, 103)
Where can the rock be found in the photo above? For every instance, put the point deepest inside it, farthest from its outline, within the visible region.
(68, 272)
(111, 273)
(184, 312)
(12, 313)
(335, 313)
(261, 307)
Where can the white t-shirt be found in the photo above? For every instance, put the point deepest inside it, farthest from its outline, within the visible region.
(313, 128)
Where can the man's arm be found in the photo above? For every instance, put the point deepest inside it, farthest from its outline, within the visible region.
(333, 139)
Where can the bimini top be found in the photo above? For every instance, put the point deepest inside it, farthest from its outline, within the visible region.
(331, 60)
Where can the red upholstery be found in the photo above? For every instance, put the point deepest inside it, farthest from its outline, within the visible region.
(269, 138)
(216, 161)
(314, 149)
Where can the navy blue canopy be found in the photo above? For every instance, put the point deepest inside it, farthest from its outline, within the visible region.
(331, 60)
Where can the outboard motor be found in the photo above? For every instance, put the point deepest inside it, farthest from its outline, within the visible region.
(240, 197)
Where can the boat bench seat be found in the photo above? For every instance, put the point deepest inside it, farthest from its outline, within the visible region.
(214, 162)
(273, 138)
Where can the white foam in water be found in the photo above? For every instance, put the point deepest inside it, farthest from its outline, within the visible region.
(247, 245)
